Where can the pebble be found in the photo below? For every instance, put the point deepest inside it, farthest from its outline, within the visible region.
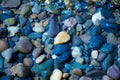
(3, 45)
(34, 35)
(42, 15)
(76, 52)
(25, 11)
(105, 77)
(80, 60)
(87, 24)
(7, 54)
(65, 75)
(76, 41)
(56, 75)
(38, 28)
(85, 37)
(24, 45)
(95, 30)
(73, 77)
(95, 63)
(36, 9)
(114, 72)
(62, 37)
(111, 38)
(11, 3)
(1, 62)
(37, 51)
(77, 72)
(101, 56)
(40, 59)
(94, 54)
(53, 29)
(10, 21)
(79, 27)
(85, 78)
(36, 43)
(20, 70)
(33, 16)
(28, 62)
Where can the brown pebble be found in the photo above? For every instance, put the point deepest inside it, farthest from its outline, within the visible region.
(77, 72)
(3, 45)
(65, 75)
(28, 61)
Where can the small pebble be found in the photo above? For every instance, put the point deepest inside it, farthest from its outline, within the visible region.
(36, 43)
(62, 37)
(95, 63)
(80, 60)
(42, 15)
(56, 75)
(36, 9)
(66, 75)
(101, 56)
(76, 52)
(37, 51)
(40, 59)
(111, 38)
(87, 24)
(79, 27)
(105, 77)
(94, 54)
(85, 78)
(3, 45)
(10, 21)
(28, 62)
(113, 72)
(38, 28)
(76, 41)
(77, 72)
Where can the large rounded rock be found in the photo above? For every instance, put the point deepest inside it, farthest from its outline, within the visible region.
(3, 45)
(24, 45)
(62, 37)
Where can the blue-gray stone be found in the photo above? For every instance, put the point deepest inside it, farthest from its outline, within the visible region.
(36, 8)
(107, 62)
(35, 35)
(96, 42)
(107, 48)
(6, 78)
(95, 30)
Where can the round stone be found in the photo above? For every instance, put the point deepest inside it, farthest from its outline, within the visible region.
(65, 75)
(77, 72)
(94, 54)
(95, 63)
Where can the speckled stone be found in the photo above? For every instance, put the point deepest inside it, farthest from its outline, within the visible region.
(76, 52)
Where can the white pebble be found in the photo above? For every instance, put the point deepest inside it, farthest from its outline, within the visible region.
(76, 52)
(56, 75)
(40, 59)
(38, 28)
(94, 54)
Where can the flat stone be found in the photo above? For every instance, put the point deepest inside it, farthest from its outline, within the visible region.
(94, 54)
(42, 15)
(76, 41)
(11, 3)
(113, 72)
(101, 56)
(36, 9)
(37, 51)
(87, 24)
(62, 37)
(40, 59)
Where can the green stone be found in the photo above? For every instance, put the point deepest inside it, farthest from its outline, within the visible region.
(10, 21)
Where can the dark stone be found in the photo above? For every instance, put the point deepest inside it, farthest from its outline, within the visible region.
(53, 29)
(95, 30)
(107, 48)
(11, 43)
(35, 35)
(109, 26)
(96, 42)
(89, 68)
(3, 33)
(87, 52)
(107, 62)
(1, 62)
(45, 75)
(6, 78)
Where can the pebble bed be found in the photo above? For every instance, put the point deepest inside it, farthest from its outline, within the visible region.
(59, 40)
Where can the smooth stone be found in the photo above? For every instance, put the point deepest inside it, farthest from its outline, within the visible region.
(56, 75)
(36, 43)
(24, 45)
(10, 21)
(107, 62)
(13, 30)
(111, 38)
(76, 41)
(65, 75)
(77, 72)
(101, 57)
(113, 72)
(94, 54)
(70, 22)
(36, 9)
(11, 3)
(35, 35)
(95, 30)
(62, 37)
(40, 59)
(53, 29)
(79, 27)
(105, 77)
(42, 15)
(45, 66)
(87, 24)
(107, 48)
(20, 70)
(25, 11)
(7, 54)
(37, 51)
(38, 28)
(85, 78)
(85, 37)
(73, 77)
(95, 63)
(51, 8)
(4, 45)
(109, 26)
(28, 62)
(80, 60)
(76, 52)
(96, 42)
